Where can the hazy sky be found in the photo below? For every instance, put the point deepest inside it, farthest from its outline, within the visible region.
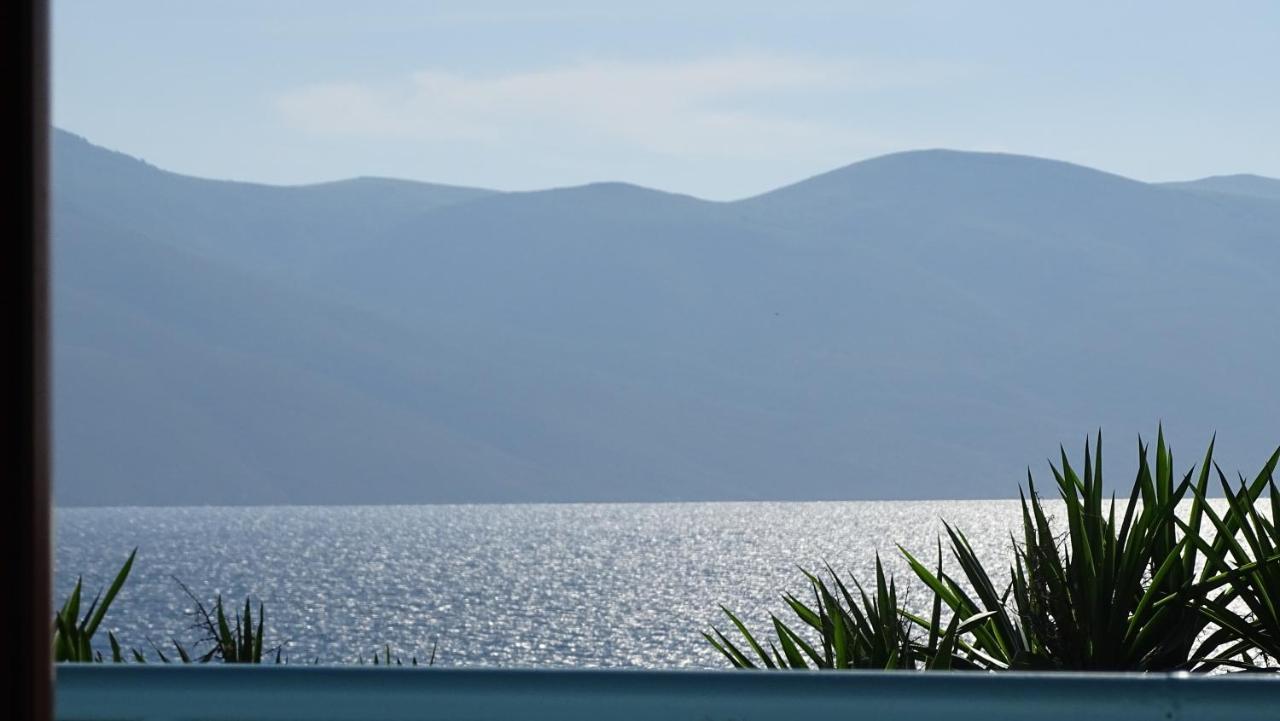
(716, 99)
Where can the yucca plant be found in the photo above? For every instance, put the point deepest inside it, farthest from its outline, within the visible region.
(181, 654)
(238, 641)
(1246, 552)
(240, 644)
(72, 638)
(862, 631)
(1107, 595)
(386, 658)
(233, 639)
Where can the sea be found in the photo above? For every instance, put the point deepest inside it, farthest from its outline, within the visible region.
(504, 586)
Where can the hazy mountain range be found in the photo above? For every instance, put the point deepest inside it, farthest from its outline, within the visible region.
(924, 324)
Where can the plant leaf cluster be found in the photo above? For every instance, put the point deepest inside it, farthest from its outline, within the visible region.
(72, 638)
(232, 637)
(1160, 582)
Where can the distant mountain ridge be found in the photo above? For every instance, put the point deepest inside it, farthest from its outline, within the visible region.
(1251, 186)
(919, 325)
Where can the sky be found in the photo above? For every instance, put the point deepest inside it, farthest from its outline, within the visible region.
(720, 100)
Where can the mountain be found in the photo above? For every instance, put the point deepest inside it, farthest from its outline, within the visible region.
(267, 228)
(1249, 186)
(921, 325)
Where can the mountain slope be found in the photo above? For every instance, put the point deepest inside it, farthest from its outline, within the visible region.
(275, 229)
(918, 325)
(179, 379)
(1250, 186)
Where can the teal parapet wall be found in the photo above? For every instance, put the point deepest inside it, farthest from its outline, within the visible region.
(229, 693)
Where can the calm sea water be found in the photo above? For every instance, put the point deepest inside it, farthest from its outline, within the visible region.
(515, 585)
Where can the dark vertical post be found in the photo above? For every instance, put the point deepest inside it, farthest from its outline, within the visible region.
(24, 440)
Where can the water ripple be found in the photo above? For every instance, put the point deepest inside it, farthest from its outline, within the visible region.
(610, 585)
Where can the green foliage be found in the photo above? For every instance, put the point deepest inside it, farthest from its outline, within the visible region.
(1088, 601)
(1244, 553)
(862, 631)
(183, 655)
(237, 637)
(386, 658)
(241, 644)
(72, 639)
(1146, 585)
(232, 639)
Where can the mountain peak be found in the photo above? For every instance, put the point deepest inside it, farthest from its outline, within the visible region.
(1240, 184)
(369, 341)
(933, 175)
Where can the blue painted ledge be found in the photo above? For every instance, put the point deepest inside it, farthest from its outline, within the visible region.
(229, 693)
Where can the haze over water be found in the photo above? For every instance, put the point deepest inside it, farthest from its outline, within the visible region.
(611, 585)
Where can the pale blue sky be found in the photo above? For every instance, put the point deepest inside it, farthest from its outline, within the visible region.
(716, 99)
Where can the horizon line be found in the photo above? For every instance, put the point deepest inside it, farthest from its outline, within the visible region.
(606, 182)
